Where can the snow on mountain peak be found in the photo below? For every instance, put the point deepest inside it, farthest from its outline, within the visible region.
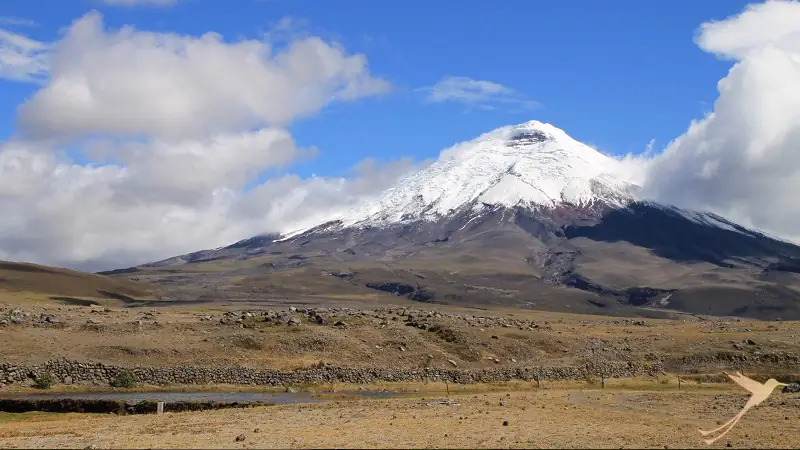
(533, 164)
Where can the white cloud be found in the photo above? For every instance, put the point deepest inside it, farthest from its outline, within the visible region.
(113, 216)
(181, 86)
(140, 2)
(21, 58)
(308, 202)
(180, 131)
(743, 159)
(478, 93)
(11, 21)
(183, 172)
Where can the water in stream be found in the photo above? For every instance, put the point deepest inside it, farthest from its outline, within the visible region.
(221, 397)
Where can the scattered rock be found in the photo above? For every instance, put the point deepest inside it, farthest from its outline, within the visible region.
(505, 423)
(47, 318)
(241, 438)
(791, 388)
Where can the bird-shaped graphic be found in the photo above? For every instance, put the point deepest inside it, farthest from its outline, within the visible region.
(760, 393)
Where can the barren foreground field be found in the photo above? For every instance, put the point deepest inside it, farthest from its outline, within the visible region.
(560, 417)
(645, 412)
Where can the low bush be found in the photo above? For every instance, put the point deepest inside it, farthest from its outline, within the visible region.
(43, 381)
(125, 379)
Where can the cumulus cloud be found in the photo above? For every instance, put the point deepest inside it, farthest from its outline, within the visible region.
(180, 86)
(111, 216)
(141, 146)
(477, 93)
(743, 159)
(325, 198)
(21, 58)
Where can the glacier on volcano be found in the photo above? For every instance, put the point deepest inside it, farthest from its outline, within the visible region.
(532, 165)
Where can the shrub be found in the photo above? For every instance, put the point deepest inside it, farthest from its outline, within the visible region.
(124, 379)
(248, 343)
(43, 381)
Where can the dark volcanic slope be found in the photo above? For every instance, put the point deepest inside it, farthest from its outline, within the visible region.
(596, 260)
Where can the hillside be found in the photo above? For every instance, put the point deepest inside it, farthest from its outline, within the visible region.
(18, 279)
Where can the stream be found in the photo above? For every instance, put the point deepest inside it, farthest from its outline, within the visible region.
(220, 397)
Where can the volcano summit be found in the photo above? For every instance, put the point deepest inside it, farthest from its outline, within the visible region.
(521, 216)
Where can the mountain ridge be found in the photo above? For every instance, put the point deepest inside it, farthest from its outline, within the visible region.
(540, 219)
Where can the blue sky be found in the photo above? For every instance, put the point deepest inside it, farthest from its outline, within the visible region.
(614, 74)
(198, 142)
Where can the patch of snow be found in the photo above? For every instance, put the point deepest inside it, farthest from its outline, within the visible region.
(290, 235)
(468, 222)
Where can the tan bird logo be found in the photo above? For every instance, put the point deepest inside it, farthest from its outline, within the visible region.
(760, 393)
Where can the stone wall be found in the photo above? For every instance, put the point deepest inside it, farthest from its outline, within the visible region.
(69, 372)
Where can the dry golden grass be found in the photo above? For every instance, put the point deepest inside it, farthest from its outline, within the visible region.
(178, 336)
(30, 279)
(545, 418)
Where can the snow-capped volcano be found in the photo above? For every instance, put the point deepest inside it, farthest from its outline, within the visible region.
(533, 165)
(522, 215)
